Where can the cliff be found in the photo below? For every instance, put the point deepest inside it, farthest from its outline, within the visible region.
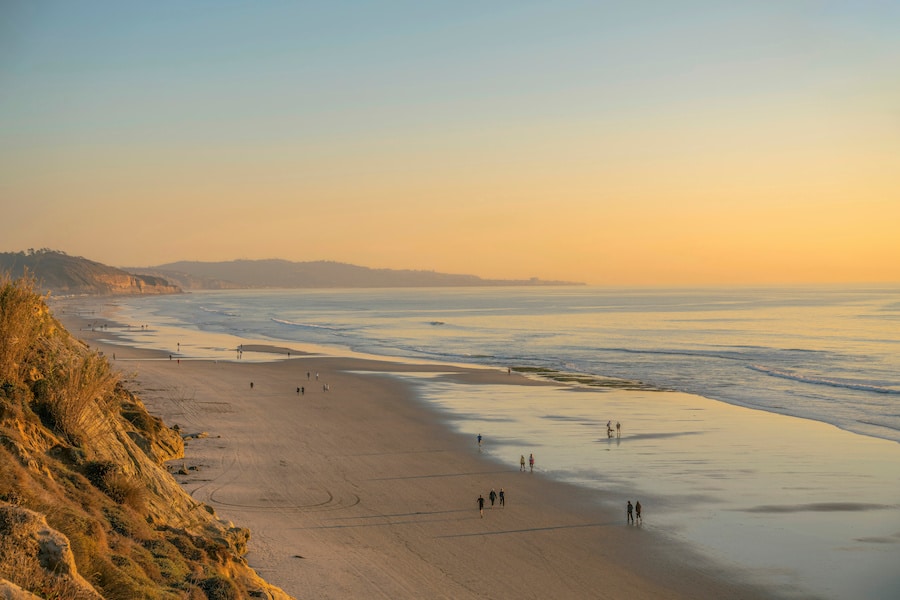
(88, 509)
(62, 274)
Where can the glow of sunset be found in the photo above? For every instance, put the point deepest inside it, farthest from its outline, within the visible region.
(610, 143)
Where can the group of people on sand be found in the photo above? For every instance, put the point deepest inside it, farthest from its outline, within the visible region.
(494, 496)
(301, 391)
(609, 429)
(633, 511)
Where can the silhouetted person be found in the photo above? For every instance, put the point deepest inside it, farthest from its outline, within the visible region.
(630, 510)
(481, 505)
(637, 512)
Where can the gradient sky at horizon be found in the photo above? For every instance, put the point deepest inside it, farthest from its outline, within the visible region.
(657, 143)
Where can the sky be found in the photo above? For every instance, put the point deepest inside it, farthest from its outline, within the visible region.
(612, 143)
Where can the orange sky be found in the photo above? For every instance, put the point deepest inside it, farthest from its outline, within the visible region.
(601, 144)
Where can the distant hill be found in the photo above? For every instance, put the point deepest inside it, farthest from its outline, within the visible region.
(275, 273)
(61, 274)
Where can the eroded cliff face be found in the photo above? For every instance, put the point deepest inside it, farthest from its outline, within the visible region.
(127, 284)
(61, 274)
(87, 507)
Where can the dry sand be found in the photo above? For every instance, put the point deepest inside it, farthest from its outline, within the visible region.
(363, 492)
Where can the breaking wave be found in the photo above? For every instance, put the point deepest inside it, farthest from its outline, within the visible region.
(219, 312)
(849, 385)
(306, 325)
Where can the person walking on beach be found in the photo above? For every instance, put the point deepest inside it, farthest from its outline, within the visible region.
(531, 462)
(618, 429)
(630, 510)
(493, 497)
(251, 385)
(481, 505)
(637, 512)
(522, 463)
(503, 498)
(479, 441)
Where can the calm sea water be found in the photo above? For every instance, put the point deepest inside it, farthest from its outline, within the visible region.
(830, 354)
(810, 510)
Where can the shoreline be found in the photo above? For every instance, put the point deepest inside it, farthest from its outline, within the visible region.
(382, 491)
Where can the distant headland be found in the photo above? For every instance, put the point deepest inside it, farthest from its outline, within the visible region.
(61, 274)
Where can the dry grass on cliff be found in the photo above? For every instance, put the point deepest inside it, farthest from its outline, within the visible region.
(70, 392)
(80, 451)
(24, 319)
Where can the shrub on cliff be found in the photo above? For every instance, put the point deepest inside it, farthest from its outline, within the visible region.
(73, 394)
(86, 509)
(24, 322)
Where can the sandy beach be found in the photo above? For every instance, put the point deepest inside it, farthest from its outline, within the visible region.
(361, 490)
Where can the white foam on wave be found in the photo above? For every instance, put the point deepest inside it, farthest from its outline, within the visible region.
(219, 312)
(305, 325)
(850, 385)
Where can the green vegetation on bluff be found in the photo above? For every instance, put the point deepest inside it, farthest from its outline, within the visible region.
(87, 509)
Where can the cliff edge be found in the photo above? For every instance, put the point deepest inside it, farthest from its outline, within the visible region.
(87, 507)
(72, 275)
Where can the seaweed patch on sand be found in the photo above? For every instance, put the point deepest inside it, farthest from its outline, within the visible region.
(584, 380)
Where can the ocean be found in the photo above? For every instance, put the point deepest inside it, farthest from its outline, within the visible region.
(759, 425)
(830, 354)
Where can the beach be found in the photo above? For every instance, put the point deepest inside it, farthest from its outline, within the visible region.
(365, 491)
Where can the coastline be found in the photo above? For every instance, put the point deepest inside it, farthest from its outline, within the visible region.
(376, 493)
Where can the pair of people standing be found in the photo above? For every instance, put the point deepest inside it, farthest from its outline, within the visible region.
(633, 512)
(530, 462)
